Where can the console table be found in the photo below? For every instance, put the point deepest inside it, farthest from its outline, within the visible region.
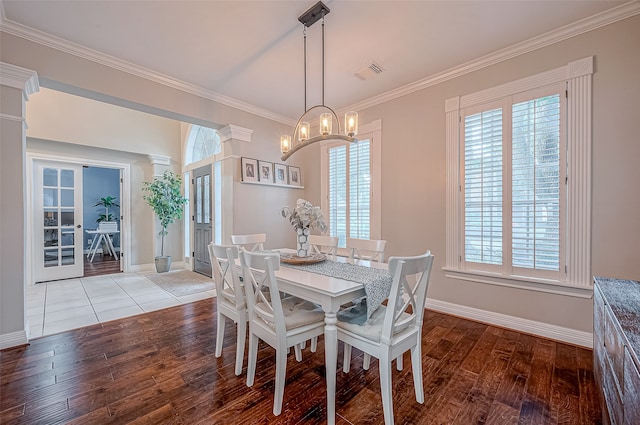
(616, 349)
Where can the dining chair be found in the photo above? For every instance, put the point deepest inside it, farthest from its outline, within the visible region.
(324, 245)
(366, 249)
(254, 242)
(280, 322)
(230, 297)
(395, 328)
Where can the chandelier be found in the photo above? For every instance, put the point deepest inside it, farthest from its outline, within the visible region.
(326, 116)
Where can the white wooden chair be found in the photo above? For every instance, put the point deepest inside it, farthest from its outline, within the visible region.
(230, 298)
(254, 242)
(281, 323)
(395, 328)
(324, 245)
(366, 249)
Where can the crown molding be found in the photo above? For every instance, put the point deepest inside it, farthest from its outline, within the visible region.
(13, 28)
(591, 23)
(19, 78)
(234, 132)
(607, 17)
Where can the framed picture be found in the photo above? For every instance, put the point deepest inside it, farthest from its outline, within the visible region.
(249, 169)
(294, 176)
(265, 171)
(280, 173)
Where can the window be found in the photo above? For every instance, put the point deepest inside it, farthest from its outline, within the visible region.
(518, 186)
(350, 175)
(514, 184)
(202, 142)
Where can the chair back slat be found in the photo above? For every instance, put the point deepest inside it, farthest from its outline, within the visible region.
(261, 287)
(254, 242)
(324, 245)
(366, 249)
(226, 274)
(403, 294)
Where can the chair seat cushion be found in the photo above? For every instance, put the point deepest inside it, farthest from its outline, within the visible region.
(297, 312)
(372, 328)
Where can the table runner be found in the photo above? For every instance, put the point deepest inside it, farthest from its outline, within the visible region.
(377, 285)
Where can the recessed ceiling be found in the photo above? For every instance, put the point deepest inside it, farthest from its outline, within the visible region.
(251, 51)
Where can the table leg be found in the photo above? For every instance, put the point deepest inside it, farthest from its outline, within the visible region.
(331, 362)
(95, 248)
(111, 247)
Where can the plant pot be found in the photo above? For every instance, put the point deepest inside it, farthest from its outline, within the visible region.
(163, 264)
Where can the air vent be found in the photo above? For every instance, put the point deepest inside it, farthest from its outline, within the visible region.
(369, 72)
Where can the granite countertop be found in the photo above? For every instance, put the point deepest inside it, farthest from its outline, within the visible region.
(623, 296)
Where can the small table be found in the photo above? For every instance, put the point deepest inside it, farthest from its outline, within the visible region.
(105, 236)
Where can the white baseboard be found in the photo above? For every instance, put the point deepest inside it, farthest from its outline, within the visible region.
(13, 339)
(558, 333)
(151, 267)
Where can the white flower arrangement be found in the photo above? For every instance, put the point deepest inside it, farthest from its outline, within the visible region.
(304, 216)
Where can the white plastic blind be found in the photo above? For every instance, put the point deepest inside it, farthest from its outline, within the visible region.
(360, 190)
(338, 193)
(536, 183)
(483, 187)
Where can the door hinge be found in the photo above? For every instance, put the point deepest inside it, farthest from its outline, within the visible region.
(566, 269)
(566, 94)
(193, 253)
(121, 181)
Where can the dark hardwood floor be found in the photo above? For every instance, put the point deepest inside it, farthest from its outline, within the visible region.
(160, 368)
(101, 264)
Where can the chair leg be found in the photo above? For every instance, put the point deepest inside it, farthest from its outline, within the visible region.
(298, 352)
(252, 358)
(220, 334)
(346, 363)
(366, 363)
(399, 362)
(385, 387)
(242, 336)
(314, 344)
(281, 372)
(416, 365)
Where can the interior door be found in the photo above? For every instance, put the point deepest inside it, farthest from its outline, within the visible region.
(57, 221)
(202, 229)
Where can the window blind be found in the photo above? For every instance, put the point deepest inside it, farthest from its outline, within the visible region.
(359, 190)
(483, 187)
(536, 183)
(338, 193)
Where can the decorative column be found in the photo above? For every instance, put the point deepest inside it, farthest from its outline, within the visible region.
(227, 168)
(16, 84)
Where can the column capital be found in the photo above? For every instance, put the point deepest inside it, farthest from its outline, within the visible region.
(19, 78)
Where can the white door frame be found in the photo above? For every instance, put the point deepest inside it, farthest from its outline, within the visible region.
(125, 204)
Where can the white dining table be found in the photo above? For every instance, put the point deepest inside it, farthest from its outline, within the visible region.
(330, 293)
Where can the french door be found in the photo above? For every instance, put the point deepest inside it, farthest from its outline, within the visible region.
(57, 221)
(203, 223)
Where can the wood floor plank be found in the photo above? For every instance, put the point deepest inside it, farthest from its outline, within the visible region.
(160, 367)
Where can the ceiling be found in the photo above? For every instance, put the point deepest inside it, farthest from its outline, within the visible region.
(251, 52)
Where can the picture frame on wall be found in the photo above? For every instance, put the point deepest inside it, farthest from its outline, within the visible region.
(265, 171)
(249, 169)
(295, 179)
(280, 174)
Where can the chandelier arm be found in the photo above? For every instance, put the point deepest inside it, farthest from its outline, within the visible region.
(316, 139)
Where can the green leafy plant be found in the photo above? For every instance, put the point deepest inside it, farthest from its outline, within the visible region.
(106, 202)
(165, 198)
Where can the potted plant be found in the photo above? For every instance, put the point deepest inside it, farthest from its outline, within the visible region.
(164, 196)
(106, 202)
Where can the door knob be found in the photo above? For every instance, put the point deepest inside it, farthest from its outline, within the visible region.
(78, 226)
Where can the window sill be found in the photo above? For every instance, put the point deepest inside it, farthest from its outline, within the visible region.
(288, 186)
(519, 282)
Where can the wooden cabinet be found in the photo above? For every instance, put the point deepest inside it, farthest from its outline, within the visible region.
(616, 334)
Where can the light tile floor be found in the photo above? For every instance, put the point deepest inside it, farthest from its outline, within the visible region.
(54, 307)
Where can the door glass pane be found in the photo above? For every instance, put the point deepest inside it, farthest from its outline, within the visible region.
(67, 237)
(66, 178)
(66, 217)
(68, 256)
(66, 197)
(50, 197)
(50, 218)
(51, 237)
(50, 177)
(199, 200)
(50, 257)
(207, 203)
